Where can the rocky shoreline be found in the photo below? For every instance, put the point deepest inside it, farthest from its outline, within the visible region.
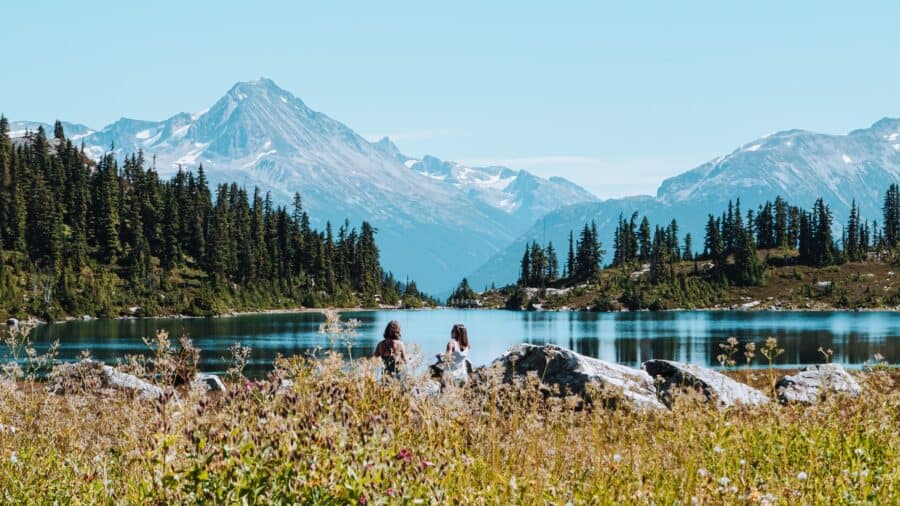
(659, 382)
(559, 371)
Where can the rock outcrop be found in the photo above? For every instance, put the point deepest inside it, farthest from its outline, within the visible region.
(814, 383)
(94, 376)
(714, 385)
(114, 378)
(572, 373)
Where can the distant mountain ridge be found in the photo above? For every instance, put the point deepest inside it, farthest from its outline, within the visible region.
(432, 228)
(796, 164)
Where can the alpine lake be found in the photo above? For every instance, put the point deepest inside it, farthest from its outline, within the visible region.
(629, 338)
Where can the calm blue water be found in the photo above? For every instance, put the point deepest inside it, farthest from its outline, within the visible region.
(627, 338)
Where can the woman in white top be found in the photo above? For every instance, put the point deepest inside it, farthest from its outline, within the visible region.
(456, 356)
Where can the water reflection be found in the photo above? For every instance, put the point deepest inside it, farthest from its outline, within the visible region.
(627, 338)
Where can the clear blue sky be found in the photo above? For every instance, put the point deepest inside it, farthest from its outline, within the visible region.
(613, 96)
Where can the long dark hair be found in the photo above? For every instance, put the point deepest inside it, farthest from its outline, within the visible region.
(461, 335)
(392, 331)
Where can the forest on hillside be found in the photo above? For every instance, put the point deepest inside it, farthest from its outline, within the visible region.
(79, 237)
(653, 267)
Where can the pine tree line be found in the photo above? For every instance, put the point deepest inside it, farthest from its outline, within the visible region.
(539, 266)
(67, 221)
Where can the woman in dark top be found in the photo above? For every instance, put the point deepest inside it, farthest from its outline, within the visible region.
(391, 349)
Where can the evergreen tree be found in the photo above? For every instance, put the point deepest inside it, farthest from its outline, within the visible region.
(891, 216)
(463, 296)
(714, 248)
(826, 252)
(780, 225)
(58, 132)
(552, 263)
(853, 248)
(525, 267)
(748, 270)
(106, 210)
(661, 259)
(644, 239)
(538, 265)
(44, 230)
(688, 248)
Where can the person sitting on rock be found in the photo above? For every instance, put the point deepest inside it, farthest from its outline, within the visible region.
(391, 350)
(456, 357)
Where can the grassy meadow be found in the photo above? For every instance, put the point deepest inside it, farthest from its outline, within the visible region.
(337, 434)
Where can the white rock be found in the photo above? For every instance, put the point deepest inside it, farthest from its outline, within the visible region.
(123, 381)
(816, 381)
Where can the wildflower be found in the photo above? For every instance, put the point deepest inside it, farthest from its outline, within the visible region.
(742, 462)
(390, 492)
(14, 458)
(404, 455)
(733, 489)
(749, 352)
(718, 449)
(859, 452)
(703, 472)
(512, 483)
(427, 463)
(617, 458)
(724, 481)
(362, 500)
(864, 473)
(802, 476)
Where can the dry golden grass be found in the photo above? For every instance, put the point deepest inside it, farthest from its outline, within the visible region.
(339, 435)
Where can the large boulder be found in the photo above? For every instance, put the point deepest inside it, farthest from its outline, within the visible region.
(815, 382)
(573, 373)
(114, 378)
(714, 385)
(92, 376)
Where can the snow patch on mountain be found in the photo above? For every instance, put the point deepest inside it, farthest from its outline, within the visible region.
(508, 190)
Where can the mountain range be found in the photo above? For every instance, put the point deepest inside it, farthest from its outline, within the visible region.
(439, 220)
(436, 220)
(798, 165)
